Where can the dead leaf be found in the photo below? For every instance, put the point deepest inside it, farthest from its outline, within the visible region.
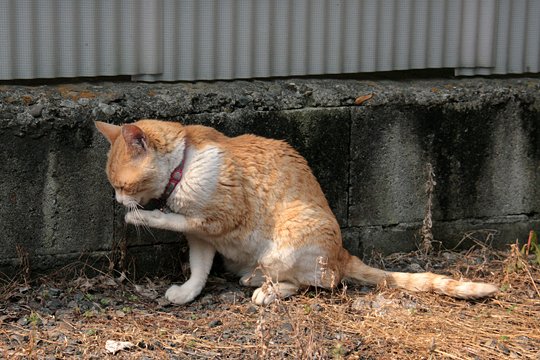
(146, 291)
(362, 99)
(114, 346)
(83, 283)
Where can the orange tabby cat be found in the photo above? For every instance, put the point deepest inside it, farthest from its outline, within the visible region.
(253, 200)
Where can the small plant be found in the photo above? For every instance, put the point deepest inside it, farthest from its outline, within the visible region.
(339, 351)
(104, 301)
(191, 344)
(515, 261)
(532, 247)
(34, 319)
(89, 314)
(24, 262)
(518, 257)
(427, 223)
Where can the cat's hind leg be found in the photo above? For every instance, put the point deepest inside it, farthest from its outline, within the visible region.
(201, 256)
(254, 279)
(275, 277)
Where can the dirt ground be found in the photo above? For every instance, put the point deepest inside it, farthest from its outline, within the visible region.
(56, 318)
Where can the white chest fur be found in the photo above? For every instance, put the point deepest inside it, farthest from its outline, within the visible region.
(202, 169)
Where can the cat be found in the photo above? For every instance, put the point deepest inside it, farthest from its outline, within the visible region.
(253, 200)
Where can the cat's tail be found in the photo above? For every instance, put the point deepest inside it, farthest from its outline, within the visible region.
(355, 269)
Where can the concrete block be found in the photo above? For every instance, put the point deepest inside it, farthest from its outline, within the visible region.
(58, 202)
(485, 160)
(386, 180)
(459, 234)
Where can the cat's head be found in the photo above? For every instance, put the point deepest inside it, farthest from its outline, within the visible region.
(140, 159)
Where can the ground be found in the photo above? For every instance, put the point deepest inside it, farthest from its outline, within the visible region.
(54, 317)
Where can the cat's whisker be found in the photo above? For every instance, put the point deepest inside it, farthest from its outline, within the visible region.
(135, 207)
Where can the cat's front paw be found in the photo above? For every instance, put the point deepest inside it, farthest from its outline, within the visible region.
(133, 218)
(144, 217)
(182, 294)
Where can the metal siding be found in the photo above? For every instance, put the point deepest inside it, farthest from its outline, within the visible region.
(173, 40)
(516, 39)
(65, 38)
(532, 47)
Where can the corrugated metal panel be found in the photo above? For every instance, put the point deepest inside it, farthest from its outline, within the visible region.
(66, 38)
(516, 39)
(230, 39)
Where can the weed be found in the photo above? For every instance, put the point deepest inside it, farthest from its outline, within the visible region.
(339, 351)
(34, 319)
(104, 301)
(24, 261)
(89, 314)
(515, 261)
(427, 223)
(532, 247)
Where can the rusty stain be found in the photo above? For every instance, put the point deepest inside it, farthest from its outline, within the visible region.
(69, 91)
(86, 94)
(27, 99)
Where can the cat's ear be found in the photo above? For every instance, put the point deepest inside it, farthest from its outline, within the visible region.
(110, 131)
(135, 139)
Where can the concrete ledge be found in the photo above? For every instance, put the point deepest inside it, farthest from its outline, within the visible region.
(481, 135)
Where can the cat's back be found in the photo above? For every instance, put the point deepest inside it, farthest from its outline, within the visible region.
(276, 171)
(263, 153)
(270, 169)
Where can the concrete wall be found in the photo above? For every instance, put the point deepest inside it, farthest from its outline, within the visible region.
(481, 135)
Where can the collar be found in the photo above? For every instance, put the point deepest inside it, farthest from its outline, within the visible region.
(175, 178)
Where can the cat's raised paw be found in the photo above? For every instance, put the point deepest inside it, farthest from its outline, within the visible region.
(151, 218)
(133, 218)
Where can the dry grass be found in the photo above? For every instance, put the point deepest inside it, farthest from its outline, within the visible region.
(352, 323)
